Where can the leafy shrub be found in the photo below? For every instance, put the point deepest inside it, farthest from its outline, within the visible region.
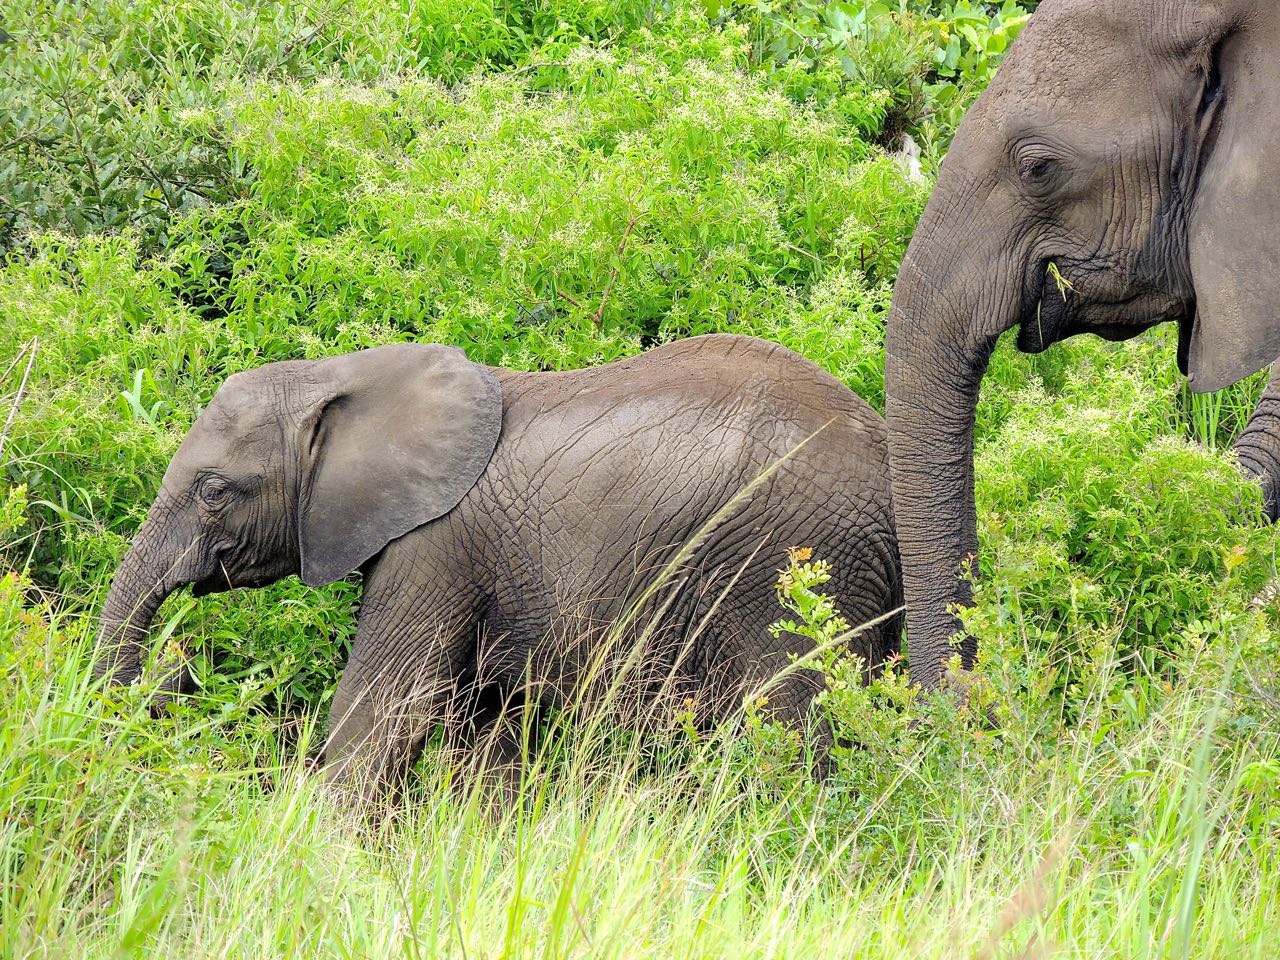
(1104, 529)
(662, 193)
(602, 196)
(110, 111)
(909, 771)
(927, 60)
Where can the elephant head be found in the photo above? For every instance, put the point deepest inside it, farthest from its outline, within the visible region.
(1119, 172)
(304, 467)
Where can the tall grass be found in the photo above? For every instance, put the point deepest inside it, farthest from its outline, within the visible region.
(1141, 838)
(1216, 419)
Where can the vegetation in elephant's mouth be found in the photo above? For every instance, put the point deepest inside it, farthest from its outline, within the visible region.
(191, 189)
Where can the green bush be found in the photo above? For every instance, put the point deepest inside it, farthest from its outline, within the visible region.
(111, 111)
(1105, 529)
(112, 114)
(921, 61)
(662, 193)
(629, 182)
(632, 180)
(910, 774)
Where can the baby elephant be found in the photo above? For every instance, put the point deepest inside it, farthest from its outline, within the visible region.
(505, 522)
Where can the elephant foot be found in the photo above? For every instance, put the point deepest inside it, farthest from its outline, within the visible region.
(969, 693)
(370, 798)
(1270, 498)
(1270, 492)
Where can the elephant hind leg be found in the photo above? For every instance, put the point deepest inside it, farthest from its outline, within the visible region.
(497, 741)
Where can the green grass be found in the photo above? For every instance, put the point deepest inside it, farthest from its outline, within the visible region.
(189, 189)
(1136, 830)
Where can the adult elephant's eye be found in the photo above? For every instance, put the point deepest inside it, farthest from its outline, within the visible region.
(1037, 172)
(214, 491)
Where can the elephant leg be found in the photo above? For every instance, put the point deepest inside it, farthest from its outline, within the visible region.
(773, 675)
(1258, 447)
(395, 690)
(791, 704)
(494, 748)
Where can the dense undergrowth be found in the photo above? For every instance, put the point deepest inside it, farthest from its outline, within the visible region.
(190, 189)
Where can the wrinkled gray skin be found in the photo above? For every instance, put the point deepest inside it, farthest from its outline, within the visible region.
(1136, 145)
(1258, 447)
(502, 519)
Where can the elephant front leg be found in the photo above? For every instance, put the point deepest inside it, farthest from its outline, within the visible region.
(1258, 447)
(393, 693)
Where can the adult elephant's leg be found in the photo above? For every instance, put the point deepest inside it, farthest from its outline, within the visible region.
(1259, 446)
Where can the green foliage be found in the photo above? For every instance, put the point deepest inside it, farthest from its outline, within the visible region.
(922, 63)
(550, 184)
(872, 716)
(111, 111)
(1216, 419)
(13, 509)
(816, 617)
(113, 114)
(1092, 762)
(1102, 529)
(1138, 823)
(646, 196)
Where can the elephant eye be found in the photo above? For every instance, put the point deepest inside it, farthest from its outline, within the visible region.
(214, 491)
(1037, 171)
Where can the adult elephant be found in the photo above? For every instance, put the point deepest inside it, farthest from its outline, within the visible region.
(523, 533)
(1122, 170)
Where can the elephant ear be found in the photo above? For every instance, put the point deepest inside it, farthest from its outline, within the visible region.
(396, 437)
(1235, 257)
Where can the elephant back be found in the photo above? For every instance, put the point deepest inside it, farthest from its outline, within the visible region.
(701, 462)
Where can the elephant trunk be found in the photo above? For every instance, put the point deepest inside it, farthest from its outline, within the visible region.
(140, 586)
(947, 315)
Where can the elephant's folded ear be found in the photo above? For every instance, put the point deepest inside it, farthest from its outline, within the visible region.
(397, 437)
(1235, 226)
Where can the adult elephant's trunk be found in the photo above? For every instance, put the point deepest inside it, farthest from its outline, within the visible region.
(958, 289)
(140, 586)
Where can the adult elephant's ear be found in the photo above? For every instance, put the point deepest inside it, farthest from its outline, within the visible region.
(1235, 222)
(396, 436)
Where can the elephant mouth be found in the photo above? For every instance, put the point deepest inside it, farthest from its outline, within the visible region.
(1055, 310)
(1050, 306)
(221, 582)
(202, 588)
